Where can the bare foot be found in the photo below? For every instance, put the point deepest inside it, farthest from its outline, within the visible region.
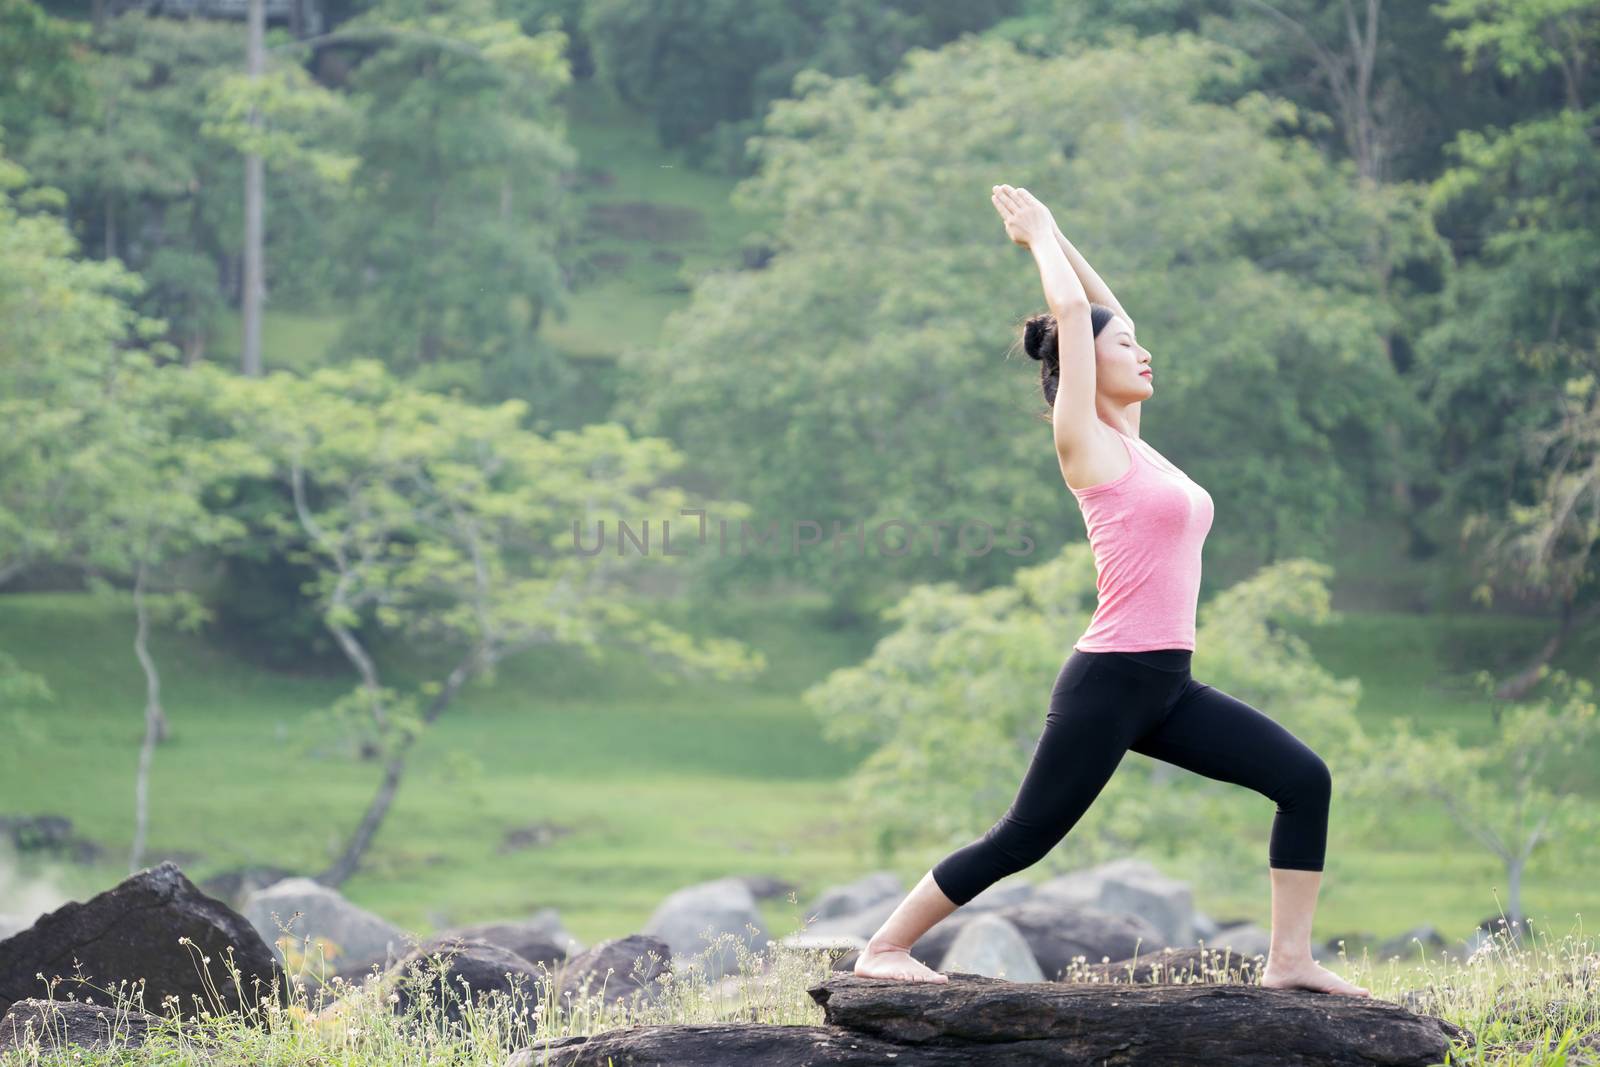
(1307, 974)
(895, 963)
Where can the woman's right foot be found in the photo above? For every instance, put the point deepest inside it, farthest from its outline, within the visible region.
(895, 963)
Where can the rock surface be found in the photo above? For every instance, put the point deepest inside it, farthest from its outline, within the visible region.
(322, 923)
(1005, 1023)
(978, 1020)
(132, 931)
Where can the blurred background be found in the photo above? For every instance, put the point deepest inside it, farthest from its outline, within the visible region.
(355, 357)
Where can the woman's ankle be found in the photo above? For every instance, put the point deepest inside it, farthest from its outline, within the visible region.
(878, 945)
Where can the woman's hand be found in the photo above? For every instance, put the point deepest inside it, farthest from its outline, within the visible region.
(1027, 220)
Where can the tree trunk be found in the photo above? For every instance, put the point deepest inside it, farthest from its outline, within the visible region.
(350, 861)
(155, 722)
(1515, 687)
(253, 180)
(1514, 887)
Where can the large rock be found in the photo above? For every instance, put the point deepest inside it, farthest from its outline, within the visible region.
(1085, 886)
(344, 931)
(1057, 933)
(856, 896)
(55, 1026)
(855, 925)
(1246, 939)
(977, 1020)
(1165, 902)
(990, 945)
(1003, 1023)
(725, 906)
(449, 973)
(539, 939)
(1133, 886)
(1060, 934)
(622, 970)
(135, 930)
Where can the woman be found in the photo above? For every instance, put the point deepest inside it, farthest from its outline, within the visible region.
(1126, 684)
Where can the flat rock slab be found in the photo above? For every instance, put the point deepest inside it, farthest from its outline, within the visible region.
(735, 1045)
(973, 1019)
(1067, 1023)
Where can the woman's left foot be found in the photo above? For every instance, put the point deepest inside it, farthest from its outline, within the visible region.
(1308, 974)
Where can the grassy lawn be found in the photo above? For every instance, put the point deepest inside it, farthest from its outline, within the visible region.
(657, 784)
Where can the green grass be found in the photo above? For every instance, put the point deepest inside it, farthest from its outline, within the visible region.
(660, 784)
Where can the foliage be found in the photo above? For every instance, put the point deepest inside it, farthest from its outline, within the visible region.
(66, 328)
(456, 207)
(865, 357)
(1516, 793)
(447, 524)
(706, 72)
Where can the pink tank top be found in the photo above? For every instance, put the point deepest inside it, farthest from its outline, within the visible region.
(1146, 528)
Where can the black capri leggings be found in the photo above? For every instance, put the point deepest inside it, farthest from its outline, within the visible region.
(1106, 703)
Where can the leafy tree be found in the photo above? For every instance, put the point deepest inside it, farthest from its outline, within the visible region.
(99, 469)
(706, 72)
(1548, 547)
(458, 207)
(858, 378)
(1517, 792)
(63, 321)
(151, 474)
(1524, 37)
(37, 73)
(449, 524)
(1517, 335)
(142, 153)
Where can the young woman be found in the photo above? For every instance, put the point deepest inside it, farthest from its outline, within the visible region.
(1126, 685)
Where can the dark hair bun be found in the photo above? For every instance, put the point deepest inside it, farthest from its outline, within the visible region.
(1036, 335)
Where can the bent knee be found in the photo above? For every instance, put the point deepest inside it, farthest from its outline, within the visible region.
(1310, 781)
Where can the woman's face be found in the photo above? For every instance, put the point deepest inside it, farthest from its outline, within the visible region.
(1122, 366)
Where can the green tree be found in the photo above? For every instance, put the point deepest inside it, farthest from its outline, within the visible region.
(458, 208)
(99, 469)
(63, 320)
(1518, 329)
(454, 529)
(860, 377)
(706, 72)
(1524, 37)
(151, 475)
(148, 156)
(37, 73)
(1518, 791)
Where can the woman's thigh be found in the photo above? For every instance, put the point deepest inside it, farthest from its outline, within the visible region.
(1220, 736)
(1097, 708)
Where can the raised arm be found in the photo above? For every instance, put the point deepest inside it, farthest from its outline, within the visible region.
(1028, 223)
(1097, 289)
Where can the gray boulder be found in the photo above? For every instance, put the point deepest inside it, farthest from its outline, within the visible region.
(724, 906)
(154, 925)
(856, 896)
(990, 945)
(345, 931)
